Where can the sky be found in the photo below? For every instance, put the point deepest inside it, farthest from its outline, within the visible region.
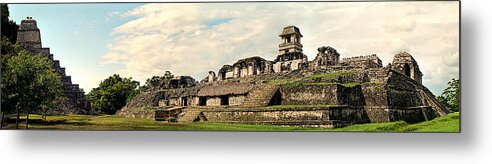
(94, 41)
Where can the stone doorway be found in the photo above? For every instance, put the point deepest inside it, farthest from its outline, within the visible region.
(184, 101)
(224, 100)
(202, 101)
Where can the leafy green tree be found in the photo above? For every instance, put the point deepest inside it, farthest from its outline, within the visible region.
(8, 50)
(29, 83)
(451, 95)
(155, 81)
(9, 27)
(112, 94)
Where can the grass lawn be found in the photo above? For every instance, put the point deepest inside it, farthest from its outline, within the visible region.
(449, 123)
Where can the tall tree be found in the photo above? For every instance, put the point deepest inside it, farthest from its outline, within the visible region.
(9, 27)
(112, 94)
(29, 83)
(451, 95)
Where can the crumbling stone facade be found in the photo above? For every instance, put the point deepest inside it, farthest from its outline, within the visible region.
(369, 61)
(29, 38)
(406, 64)
(327, 56)
(290, 90)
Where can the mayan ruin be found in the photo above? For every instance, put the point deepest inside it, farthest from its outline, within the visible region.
(328, 91)
(245, 82)
(29, 39)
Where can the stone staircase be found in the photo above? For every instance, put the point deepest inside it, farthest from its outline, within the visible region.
(260, 95)
(430, 100)
(188, 115)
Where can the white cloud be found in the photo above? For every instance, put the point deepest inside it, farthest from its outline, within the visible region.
(176, 37)
(399, 45)
(400, 25)
(451, 60)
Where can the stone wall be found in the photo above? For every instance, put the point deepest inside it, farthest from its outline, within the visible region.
(332, 94)
(333, 116)
(404, 98)
(144, 99)
(309, 94)
(352, 96)
(402, 92)
(141, 113)
(291, 65)
(374, 95)
(175, 101)
(377, 75)
(411, 114)
(368, 61)
(213, 101)
(379, 114)
(236, 100)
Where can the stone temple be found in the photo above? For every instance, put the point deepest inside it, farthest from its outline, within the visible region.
(29, 39)
(291, 90)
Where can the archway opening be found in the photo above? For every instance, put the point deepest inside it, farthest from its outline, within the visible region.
(406, 69)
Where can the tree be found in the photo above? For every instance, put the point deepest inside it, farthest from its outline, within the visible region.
(451, 95)
(155, 81)
(9, 27)
(29, 83)
(112, 94)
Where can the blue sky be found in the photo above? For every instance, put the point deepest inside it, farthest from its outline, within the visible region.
(94, 41)
(77, 35)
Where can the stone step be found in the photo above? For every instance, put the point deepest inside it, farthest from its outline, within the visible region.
(189, 116)
(260, 95)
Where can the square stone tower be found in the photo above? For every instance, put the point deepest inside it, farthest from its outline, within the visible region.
(290, 55)
(404, 63)
(290, 40)
(28, 35)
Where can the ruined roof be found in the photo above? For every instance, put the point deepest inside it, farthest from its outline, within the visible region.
(178, 82)
(28, 24)
(290, 30)
(181, 92)
(404, 57)
(226, 89)
(373, 57)
(248, 61)
(328, 50)
(290, 56)
(226, 68)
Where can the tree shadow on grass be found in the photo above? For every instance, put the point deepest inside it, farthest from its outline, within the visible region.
(78, 122)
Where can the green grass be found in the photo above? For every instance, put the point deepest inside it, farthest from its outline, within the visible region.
(449, 123)
(351, 84)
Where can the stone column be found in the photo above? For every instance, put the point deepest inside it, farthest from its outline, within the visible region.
(236, 72)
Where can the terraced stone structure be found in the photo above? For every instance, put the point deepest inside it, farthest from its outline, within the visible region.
(29, 39)
(291, 90)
